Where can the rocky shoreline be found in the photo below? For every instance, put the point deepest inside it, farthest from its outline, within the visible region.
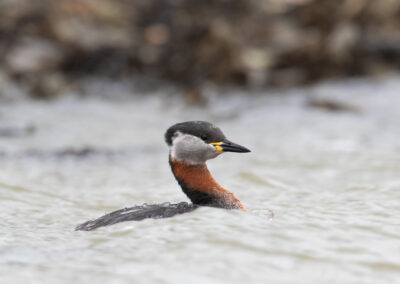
(45, 45)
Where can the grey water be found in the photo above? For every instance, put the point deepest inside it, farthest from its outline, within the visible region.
(322, 188)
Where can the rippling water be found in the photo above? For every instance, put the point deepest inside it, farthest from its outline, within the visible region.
(322, 190)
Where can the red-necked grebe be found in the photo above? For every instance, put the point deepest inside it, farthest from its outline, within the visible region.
(191, 144)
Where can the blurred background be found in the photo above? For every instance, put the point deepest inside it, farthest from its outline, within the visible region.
(88, 88)
(47, 47)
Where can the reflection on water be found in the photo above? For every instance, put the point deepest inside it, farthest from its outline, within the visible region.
(321, 187)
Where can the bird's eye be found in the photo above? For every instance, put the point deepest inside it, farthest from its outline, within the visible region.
(204, 137)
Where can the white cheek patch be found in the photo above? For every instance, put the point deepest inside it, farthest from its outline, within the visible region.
(191, 149)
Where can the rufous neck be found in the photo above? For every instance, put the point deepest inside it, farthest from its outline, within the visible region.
(201, 188)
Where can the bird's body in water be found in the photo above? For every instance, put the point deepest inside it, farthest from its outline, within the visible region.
(191, 144)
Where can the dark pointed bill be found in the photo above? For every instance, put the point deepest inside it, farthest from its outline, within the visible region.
(228, 146)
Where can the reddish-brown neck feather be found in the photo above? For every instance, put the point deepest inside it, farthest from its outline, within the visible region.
(199, 178)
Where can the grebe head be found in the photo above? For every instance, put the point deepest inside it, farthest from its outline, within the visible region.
(195, 142)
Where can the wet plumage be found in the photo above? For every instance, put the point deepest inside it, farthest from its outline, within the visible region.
(191, 144)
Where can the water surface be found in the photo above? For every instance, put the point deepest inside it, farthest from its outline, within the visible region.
(331, 180)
